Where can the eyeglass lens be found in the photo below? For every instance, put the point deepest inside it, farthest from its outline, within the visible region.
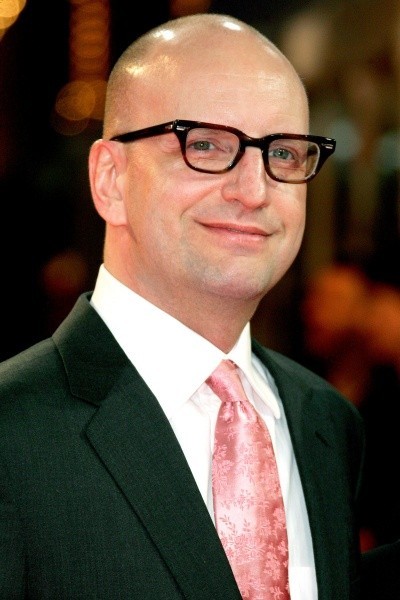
(214, 150)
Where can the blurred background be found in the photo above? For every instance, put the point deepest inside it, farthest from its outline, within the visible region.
(338, 308)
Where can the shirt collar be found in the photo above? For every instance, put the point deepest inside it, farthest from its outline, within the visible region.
(173, 360)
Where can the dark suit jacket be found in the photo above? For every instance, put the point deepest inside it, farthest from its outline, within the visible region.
(97, 500)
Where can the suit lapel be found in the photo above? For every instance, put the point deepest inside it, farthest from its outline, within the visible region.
(136, 443)
(318, 455)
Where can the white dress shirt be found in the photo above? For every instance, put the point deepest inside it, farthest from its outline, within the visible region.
(174, 361)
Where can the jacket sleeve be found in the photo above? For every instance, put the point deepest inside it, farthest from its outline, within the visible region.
(11, 545)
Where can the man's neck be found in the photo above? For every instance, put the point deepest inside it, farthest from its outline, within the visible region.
(218, 319)
(219, 323)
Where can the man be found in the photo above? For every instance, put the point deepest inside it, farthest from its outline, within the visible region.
(107, 427)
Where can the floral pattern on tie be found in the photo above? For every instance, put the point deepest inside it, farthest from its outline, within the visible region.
(248, 505)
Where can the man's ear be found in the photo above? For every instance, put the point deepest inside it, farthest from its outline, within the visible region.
(107, 165)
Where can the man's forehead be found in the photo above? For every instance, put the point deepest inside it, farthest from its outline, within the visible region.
(205, 70)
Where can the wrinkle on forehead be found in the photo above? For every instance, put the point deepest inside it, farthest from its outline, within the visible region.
(207, 69)
(230, 93)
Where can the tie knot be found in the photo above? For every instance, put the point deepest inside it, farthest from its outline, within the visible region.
(225, 383)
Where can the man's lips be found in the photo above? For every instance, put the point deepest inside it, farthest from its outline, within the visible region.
(237, 228)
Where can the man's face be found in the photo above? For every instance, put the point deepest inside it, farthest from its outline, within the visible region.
(198, 235)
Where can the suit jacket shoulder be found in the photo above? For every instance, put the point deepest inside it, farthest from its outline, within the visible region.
(92, 474)
(287, 372)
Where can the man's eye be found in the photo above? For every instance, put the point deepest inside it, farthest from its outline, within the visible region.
(281, 153)
(202, 145)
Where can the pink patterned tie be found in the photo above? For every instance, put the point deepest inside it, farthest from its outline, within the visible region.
(248, 505)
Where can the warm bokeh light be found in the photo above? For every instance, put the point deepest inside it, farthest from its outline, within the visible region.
(9, 13)
(82, 98)
(76, 101)
(11, 8)
(304, 41)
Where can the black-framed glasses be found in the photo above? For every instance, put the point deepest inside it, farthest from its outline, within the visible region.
(210, 148)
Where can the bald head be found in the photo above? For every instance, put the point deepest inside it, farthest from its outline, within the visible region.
(196, 50)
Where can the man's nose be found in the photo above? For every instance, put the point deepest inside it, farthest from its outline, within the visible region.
(248, 182)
